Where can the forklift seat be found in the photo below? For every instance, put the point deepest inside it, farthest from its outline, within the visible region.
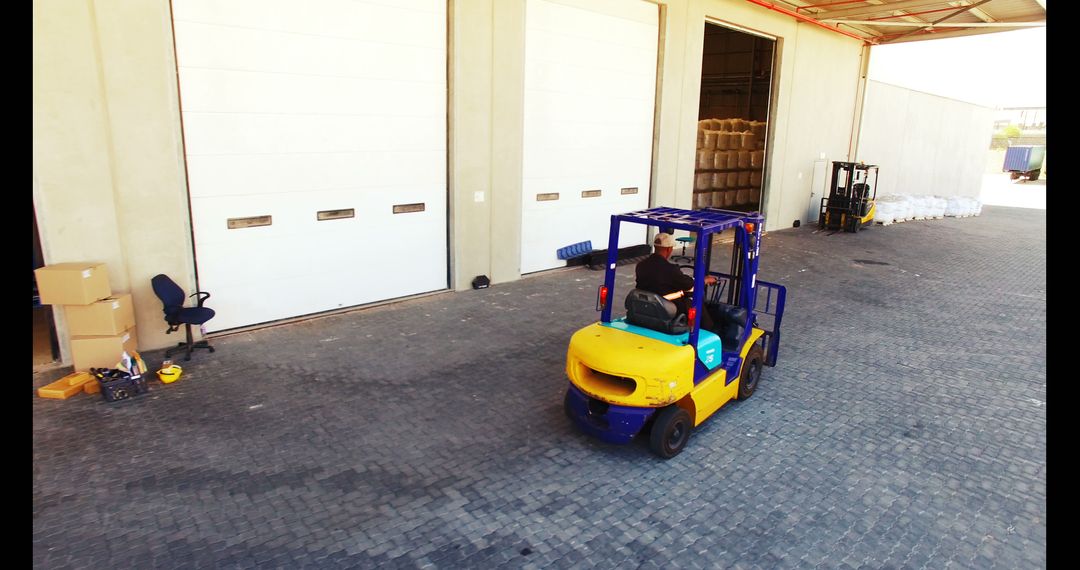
(730, 321)
(652, 311)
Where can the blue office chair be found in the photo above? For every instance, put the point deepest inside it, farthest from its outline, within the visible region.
(176, 314)
(684, 240)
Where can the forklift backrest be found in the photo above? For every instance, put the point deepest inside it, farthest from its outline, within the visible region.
(652, 311)
(730, 322)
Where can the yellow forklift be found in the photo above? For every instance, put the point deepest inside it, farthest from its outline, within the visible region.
(852, 192)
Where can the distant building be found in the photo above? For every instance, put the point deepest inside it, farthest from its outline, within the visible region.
(1027, 118)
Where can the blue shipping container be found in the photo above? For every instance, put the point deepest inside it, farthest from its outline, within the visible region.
(1024, 158)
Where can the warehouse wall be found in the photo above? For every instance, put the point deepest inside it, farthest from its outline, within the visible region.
(816, 85)
(108, 166)
(487, 84)
(109, 177)
(816, 79)
(924, 144)
(470, 132)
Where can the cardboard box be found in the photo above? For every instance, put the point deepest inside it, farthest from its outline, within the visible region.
(79, 283)
(102, 351)
(109, 316)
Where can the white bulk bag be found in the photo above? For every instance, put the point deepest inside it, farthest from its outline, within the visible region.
(954, 206)
(883, 212)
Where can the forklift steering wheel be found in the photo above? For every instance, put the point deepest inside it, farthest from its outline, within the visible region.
(710, 290)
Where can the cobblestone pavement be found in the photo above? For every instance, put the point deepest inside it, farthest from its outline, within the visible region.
(903, 427)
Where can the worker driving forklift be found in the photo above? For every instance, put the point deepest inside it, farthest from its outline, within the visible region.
(659, 370)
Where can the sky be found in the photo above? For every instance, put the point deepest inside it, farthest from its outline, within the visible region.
(1000, 69)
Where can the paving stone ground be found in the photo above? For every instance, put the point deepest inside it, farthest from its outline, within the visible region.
(903, 427)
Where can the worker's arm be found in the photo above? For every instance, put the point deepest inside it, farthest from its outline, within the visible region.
(686, 284)
(680, 280)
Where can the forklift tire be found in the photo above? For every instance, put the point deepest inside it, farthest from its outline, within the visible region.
(670, 431)
(751, 372)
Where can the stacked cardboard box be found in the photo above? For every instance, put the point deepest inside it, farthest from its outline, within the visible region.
(730, 162)
(101, 325)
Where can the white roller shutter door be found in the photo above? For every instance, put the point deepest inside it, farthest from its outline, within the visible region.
(590, 89)
(294, 108)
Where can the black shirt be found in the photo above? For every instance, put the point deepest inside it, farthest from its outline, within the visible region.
(656, 274)
(659, 275)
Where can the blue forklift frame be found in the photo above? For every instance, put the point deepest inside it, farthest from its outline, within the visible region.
(744, 283)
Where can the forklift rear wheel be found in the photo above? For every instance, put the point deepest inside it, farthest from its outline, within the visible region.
(751, 372)
(670, 432)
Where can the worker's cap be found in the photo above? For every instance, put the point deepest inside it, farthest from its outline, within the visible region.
(664, 240)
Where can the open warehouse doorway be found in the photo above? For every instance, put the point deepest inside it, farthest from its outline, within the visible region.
(46, 344)
(733, 118)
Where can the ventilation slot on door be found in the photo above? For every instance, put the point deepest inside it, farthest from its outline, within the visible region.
(626, 191)
(251, 222)
(590, 193)
(547, 197)
(335, 214)
(408, 208)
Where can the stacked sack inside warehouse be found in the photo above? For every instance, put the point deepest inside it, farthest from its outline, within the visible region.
(901, 208)
(730, 163)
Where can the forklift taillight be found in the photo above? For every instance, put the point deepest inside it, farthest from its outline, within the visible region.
(603, 295)
(691, 313)
(750, 227)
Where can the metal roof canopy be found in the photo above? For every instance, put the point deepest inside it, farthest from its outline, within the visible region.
(894, 21)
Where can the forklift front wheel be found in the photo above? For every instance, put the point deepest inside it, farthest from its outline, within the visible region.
(670, 432)
(751, 372)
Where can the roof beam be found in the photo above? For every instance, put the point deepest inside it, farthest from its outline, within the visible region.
(801, 5)
(940, 33)
(929, 25)
(805, 18)
(864, 11)
(942, 19)
(982, 15)
(869, 33)
(974, 11)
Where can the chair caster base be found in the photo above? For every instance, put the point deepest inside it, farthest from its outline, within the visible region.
(187, 349)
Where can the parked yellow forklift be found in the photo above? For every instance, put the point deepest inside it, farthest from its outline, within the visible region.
(852, 192)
